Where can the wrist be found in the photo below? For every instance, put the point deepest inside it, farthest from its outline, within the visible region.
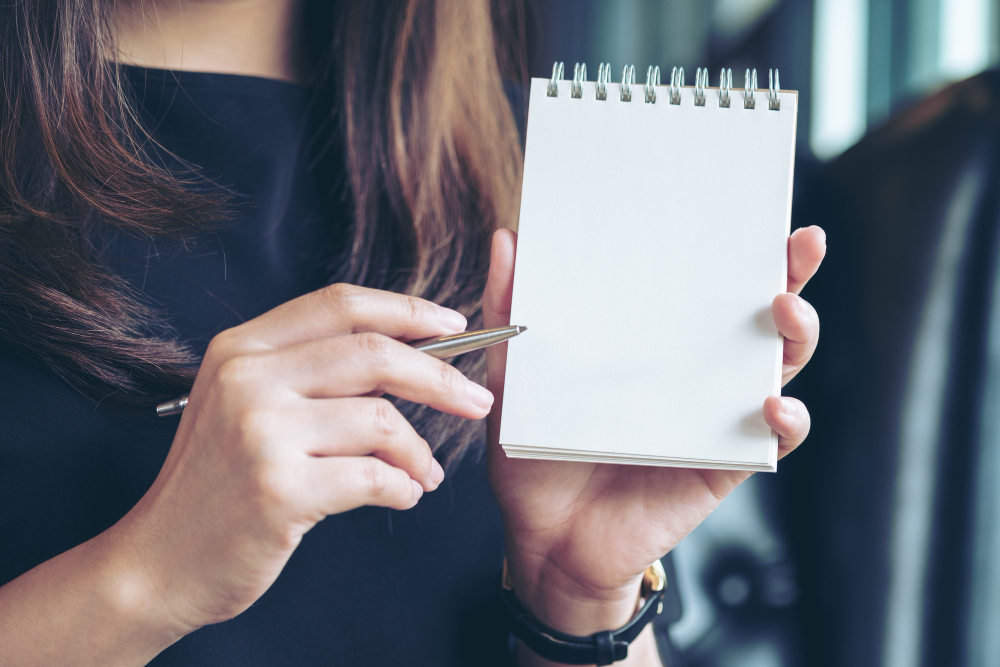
(565, 603)
(552, 599)
(88, 606)
(643, 652)
(130, 592)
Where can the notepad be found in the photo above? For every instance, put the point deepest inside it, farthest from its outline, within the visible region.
(651, 243)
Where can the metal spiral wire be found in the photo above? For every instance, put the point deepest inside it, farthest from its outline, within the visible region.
(579, 76)
(773, 86)
(700, 84)
(628, 78)
(676, 81)
(557, 74)
(749, 100)
(725, 87)
(603, 79)
(652, 80)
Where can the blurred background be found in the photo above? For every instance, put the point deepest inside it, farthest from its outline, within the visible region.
(879, 541)
(867, 57)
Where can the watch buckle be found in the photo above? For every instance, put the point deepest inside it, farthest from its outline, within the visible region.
(654, 579)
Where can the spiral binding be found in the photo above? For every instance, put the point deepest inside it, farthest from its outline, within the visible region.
(603, 79)
(749, 88)
(725, 87)
(579, 77)
(557, 74)
(628, 78)
(676, 83)
(700, 84)
(652, 81)
(773, 86)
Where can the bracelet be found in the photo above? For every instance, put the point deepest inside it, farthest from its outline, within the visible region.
(600, 648)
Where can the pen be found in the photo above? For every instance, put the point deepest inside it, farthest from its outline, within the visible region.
(441, 347)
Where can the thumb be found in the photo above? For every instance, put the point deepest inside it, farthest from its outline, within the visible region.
(500, 282)
(496, 313)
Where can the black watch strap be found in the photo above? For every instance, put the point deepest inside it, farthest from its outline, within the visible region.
(600, 648)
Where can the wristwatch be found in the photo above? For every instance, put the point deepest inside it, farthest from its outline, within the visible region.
(601, 648)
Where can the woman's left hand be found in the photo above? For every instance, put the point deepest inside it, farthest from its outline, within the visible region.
(580, 535)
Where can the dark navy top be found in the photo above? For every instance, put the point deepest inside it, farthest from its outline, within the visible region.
(368, 587)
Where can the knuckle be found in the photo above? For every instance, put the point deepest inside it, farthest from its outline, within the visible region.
(224, 345)
(386, 418)
(269, 487)
(249, 420)
(423, 456)
(451, 380)
(234, 383)
(376, 478)
(251, 426)
(416, 309)
(236, 371)
(344, 297)
(379, 349)
(272, 494)
(416, 456)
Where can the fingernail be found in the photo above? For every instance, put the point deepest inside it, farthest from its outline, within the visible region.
(800, 304)
(478, 394)
(823, 232)
(437, 472)
(417, 489)
(789, 407)
(451, 319)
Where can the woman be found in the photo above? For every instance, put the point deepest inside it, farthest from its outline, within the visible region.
(264, 197)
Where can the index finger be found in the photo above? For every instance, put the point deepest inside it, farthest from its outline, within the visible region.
(806, 249)
(343, 309)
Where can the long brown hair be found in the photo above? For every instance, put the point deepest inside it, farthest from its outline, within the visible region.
(432, 157)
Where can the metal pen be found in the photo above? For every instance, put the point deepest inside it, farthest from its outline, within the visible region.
(441, 347)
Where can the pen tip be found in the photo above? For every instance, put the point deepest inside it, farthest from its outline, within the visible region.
(521, 329)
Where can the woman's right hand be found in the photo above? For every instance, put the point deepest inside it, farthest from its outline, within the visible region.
(284, 427)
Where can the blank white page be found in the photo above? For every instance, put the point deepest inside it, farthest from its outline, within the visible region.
(652, 240)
